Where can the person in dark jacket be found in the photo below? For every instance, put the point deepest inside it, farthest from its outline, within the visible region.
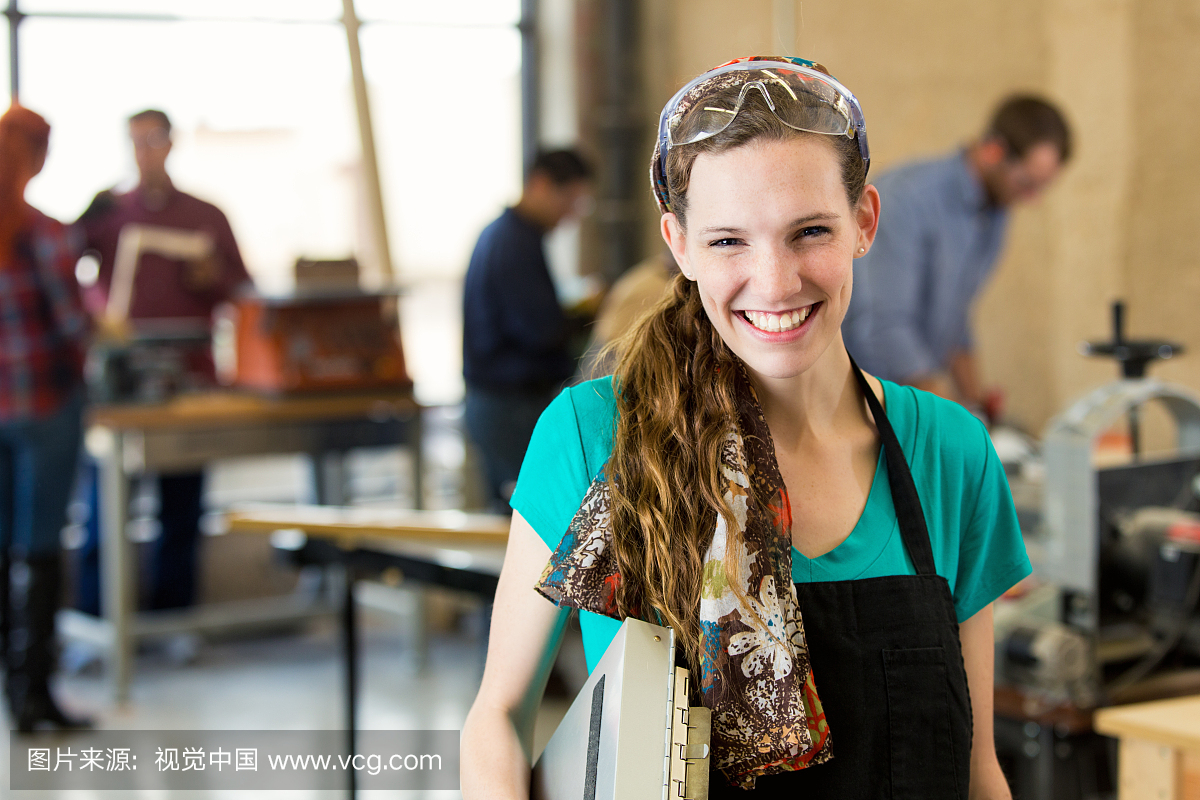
(515, 334)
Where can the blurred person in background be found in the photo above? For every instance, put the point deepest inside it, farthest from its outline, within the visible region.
(940, 235)
(630, 298)
(41, 405)
(168, 294)
(515, 333)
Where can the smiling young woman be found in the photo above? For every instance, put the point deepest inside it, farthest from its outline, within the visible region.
(828, 567)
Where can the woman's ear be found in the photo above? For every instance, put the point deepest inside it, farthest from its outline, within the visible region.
(867, 217)
(674, 236)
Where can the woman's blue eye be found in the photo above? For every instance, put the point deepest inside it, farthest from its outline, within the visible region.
(724, 242)
(813, 230)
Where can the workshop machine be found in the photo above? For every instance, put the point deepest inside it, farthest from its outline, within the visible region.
(160, 358)
(151, 366)
(1122, 543)
(327, 335)
(1111, 615)
(331, 341)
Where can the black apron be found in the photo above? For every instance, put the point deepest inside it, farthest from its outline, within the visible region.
(889, 669)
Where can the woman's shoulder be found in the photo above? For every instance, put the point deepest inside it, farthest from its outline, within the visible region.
(577, 426)
(594, 398)
(972, 524)
(589, 407)
(932, 428)
(570, 445)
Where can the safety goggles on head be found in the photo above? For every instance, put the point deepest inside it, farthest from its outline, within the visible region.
(797, 91)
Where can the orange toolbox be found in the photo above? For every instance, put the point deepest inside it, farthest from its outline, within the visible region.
(310, 342)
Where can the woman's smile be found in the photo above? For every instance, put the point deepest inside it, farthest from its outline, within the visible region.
(780, 326)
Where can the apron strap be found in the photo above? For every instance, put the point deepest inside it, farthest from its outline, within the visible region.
(904, 492)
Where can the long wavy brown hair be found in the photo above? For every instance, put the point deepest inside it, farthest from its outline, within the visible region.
(676, 401)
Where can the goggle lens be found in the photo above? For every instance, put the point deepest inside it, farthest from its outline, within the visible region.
(800, 93)
(799, 101)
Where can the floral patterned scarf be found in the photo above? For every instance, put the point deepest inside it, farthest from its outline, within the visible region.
(755, 672)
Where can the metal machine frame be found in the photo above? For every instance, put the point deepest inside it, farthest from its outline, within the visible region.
(1070, 541)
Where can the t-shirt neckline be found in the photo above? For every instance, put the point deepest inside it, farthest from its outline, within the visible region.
(866, 541)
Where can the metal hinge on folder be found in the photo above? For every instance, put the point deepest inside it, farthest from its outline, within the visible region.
(691, 728)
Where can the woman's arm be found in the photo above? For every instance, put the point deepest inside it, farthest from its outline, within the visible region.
(525, 635)
(979, 652)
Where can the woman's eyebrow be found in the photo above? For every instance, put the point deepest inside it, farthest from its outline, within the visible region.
(729, 230)
(820, 216)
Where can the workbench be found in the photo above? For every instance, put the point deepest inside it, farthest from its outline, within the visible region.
(451, 549)
(1159, 750)
(183, 435)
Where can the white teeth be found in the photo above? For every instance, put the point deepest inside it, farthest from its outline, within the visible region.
(773, 323)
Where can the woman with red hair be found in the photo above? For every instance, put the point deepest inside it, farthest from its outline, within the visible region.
(42, 333)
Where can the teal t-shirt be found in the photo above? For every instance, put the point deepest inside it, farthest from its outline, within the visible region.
(977, 545)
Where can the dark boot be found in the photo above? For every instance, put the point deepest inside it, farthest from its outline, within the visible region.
(4, 615)
(33, 595)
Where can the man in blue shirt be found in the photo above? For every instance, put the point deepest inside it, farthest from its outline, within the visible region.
(941, 230)
(515, 356)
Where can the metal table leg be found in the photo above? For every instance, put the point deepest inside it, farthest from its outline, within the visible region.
(1044, 763)
(350, 661)
(419, 644)
(330, 467)
(116, 563)
(416, 442)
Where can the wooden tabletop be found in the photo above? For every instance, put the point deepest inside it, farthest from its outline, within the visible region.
(440, 527)
(1175, 723)
(227, 408)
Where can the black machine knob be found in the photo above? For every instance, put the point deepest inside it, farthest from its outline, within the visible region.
(1133, 354)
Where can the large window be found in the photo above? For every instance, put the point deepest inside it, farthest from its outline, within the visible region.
(260, 95)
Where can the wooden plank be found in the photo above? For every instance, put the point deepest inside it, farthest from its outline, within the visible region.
(358, 523)
(1190, 776)
(366, 138)
(1147, 771)
(225, 408)
(1175, 723)
(133, 240)
(1173, 683)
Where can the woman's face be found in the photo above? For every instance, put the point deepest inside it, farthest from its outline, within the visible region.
(770, 242)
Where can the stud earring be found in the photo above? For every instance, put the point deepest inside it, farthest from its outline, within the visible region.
(862, 250)
(689, 276)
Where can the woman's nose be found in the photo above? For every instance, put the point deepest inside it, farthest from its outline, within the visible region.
(778, 274)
